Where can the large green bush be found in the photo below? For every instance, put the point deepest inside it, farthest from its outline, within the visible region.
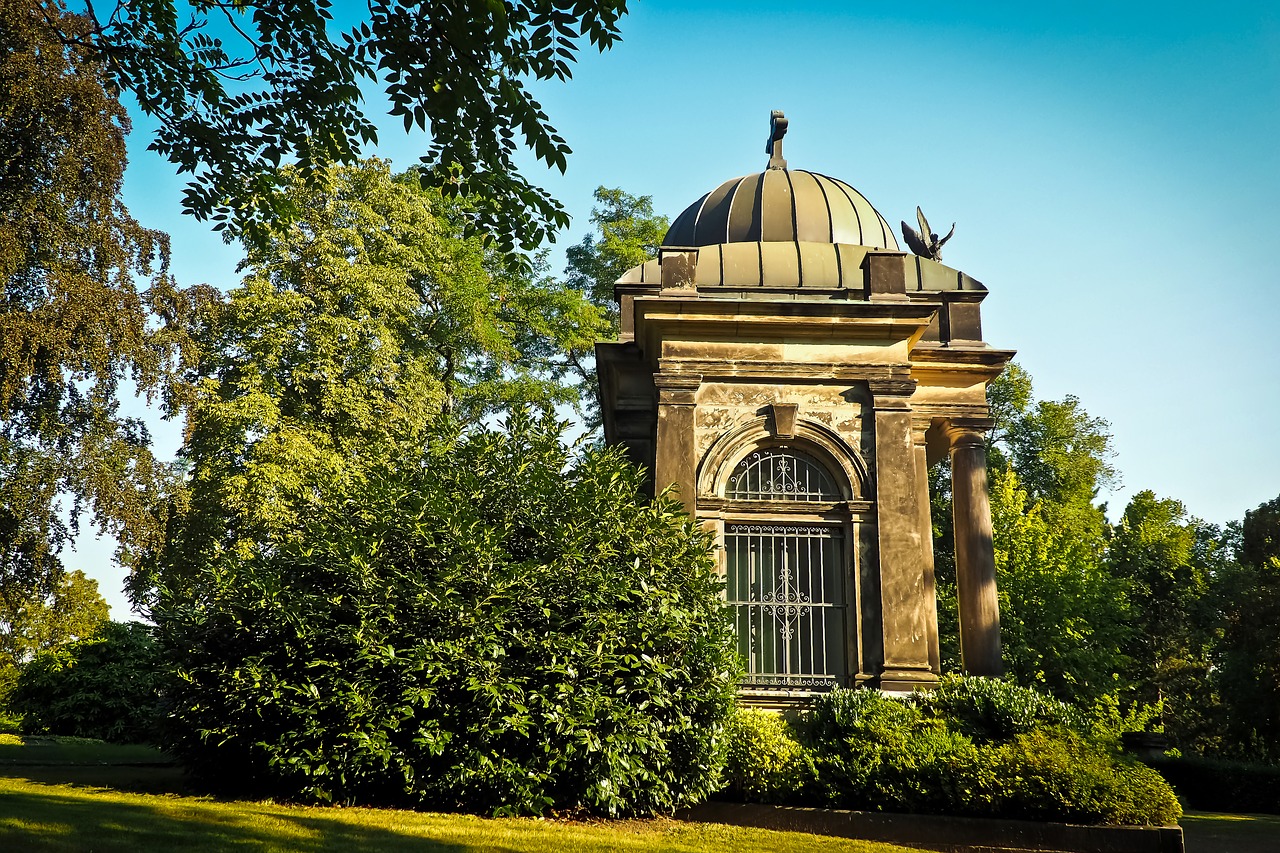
(108, 686)
(495, 627)
(1060, 775)
(876, 752)
(974, 747)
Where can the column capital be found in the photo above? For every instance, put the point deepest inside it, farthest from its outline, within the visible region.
(677, 389)
(891, 393)
(920, 431)
(967, 432)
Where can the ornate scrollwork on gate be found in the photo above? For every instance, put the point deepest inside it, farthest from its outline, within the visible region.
(786, 604)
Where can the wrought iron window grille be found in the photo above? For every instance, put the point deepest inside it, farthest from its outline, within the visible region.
(781, 474)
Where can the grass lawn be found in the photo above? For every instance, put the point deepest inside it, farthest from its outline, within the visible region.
(62, 794)
(1212, 832)
(46, 817)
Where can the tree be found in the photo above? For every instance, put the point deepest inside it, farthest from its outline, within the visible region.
(1260, 534)
(1063, 619)
(491, 624)
(1062, 455)
(353, 329)
(242, 87)
(628, 233)
(1248, 655)
(32, 621)
(107, 686)
(74, 324)
(1166, 560)
(73, 611)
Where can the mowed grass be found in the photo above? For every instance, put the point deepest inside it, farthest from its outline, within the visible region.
(38, 816)
(1213, 832)
(64, 794)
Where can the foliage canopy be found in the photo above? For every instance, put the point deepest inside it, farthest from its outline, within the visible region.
(86, 306)
(354, 327)
(35, 622)
(239, 88)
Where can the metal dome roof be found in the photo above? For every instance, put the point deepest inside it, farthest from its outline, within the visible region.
(782, 205)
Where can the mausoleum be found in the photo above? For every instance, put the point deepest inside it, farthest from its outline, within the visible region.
(794, 373)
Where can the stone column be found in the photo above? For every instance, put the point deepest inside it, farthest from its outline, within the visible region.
(674, 451)
(904, 597)
(926, 546)
(975, 554)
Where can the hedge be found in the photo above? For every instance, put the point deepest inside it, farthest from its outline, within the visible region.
(971, 749)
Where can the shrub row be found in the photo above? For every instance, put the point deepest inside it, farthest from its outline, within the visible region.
(975, 748)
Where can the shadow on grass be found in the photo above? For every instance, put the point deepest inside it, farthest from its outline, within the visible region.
(166, 779)
(52, 820)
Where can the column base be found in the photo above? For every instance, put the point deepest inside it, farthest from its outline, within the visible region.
(906, 680)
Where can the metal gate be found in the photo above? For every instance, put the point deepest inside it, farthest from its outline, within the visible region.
(786, 586)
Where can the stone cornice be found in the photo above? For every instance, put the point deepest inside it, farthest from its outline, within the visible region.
(659, 317)
(944, 357)
(800, 372)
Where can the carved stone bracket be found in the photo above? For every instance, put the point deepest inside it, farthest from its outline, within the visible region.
(784, 419)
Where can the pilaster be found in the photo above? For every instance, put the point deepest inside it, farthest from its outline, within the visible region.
(904, 593)
(675, 460)
(919, 446)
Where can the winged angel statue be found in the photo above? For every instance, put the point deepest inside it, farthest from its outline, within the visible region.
(924, 242)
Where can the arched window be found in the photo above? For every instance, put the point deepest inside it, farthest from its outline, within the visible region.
(781, 474)
(786, 578)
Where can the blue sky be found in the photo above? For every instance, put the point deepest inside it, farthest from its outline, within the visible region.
(1112, 168)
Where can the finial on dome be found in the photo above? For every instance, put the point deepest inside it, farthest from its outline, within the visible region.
(777, 130)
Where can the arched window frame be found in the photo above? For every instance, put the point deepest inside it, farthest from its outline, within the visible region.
(837, 509)
(812, 438)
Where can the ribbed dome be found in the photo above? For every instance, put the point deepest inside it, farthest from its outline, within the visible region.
(784, 206)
